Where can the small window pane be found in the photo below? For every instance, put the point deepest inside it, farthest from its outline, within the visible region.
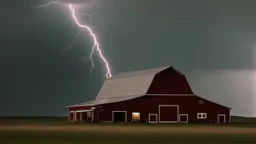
(201, 115)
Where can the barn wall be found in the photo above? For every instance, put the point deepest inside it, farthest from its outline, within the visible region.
(149, 105)
(170, 81)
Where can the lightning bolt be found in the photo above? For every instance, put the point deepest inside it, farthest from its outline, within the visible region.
(89, 15)
(96, 45)
(47, 4)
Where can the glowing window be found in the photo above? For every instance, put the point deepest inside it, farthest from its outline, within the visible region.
(135, 116)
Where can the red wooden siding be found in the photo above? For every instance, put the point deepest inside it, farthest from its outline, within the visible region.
(170, 81)
(149, 105)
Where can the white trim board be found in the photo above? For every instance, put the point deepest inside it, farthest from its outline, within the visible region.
(81, 111)
(119, 111)
(75, 116)
(159, 113)
(149, 121)
(81, 115)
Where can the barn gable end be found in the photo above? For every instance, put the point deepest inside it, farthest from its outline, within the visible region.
(169, 81)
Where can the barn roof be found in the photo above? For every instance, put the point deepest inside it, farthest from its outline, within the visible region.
(137, 73)
(106, 101)
(129, 83)
(124, 86)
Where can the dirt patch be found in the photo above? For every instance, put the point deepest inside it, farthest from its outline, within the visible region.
(139, 129)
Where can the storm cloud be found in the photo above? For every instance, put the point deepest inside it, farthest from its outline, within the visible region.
(76, 1)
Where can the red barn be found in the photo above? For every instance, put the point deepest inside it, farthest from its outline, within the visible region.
(160, 95)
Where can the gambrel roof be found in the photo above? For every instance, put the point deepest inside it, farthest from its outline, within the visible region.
(125, 86)
(128, 84)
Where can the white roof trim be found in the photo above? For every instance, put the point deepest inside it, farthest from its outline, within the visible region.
(81, 110)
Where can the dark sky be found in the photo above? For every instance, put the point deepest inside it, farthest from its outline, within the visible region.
(211, 41)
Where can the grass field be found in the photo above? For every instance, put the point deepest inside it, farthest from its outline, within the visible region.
(59, 131)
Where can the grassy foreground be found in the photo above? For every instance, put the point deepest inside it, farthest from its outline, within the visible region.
(117, 138)
(58, 131)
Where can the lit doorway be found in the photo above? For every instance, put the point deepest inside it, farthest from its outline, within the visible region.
(135, 117)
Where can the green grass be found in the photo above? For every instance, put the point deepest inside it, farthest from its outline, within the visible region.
(117, 138)
(33, 120)
(243, 121)
(99, 137)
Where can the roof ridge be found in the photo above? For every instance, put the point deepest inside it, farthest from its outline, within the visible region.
(117, 97)
(135, 73)
(145, 69)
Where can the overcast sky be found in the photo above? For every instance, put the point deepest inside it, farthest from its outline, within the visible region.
(211, 41)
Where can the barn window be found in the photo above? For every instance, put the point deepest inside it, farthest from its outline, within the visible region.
(201, 102)
(204, 115)
(201, 115)
(135, 116)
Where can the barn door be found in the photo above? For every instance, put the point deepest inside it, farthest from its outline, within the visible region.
(168, 113)
(119, 116)
(84, 116)
(152, 118)
(221, 118)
